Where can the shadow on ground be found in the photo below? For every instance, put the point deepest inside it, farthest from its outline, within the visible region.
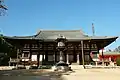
(31, 75)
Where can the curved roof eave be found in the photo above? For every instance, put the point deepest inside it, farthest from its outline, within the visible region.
(81, 38)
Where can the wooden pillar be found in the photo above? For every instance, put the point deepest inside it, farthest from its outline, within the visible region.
(30, 53)
(102, 58)
(38, 58)
(78, 58)
(42, 62)
(46, 56)
(17, 57)
(82, 49)
(54, 55)
(67, 58)
(97, 55)
(74, 56)
(90, 51)
(39, 53)
(10, 62)
(43, 57)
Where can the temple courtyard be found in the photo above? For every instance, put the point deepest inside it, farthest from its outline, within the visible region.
(94, 74)
(78, 74)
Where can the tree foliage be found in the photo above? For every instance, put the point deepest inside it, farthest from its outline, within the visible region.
(117, 49)
(118, 61)
(4, 46)
(7, 49)
(3, 8)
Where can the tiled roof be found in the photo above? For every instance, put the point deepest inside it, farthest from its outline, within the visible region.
(68, 34)
(110, 53)
(54, 34)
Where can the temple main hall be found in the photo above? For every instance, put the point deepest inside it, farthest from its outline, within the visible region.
(41, 48)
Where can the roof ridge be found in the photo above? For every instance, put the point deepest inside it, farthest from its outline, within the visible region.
(112, 52)
(61, 30)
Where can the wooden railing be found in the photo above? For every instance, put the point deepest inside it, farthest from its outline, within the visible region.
(14, 60)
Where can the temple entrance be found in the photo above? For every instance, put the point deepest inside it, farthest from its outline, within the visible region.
(74, 57)
(78, 57)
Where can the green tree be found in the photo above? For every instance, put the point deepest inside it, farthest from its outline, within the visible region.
(7, 49)
(3, 8)
(118, 61)
(117, 49)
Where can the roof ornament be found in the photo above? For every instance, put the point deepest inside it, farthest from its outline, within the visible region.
(3, 8)
(61, 36)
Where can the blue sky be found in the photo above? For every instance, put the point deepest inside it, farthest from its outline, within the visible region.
(26, 17)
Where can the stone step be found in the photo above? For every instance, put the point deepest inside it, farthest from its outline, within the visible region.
(77, 66)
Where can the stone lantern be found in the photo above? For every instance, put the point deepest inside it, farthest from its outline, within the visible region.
(61, 65)
(61, 47)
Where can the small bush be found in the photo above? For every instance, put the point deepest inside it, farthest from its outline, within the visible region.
(118, 61)
(45, 67)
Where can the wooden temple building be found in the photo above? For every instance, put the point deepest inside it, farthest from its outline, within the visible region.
(40, 49)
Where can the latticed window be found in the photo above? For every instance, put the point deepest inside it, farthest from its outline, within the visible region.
(25, 54)
(78, 46)
(34, 46)
(45, 46)
(95, 45)
(84, 45)
(87, 45)
(26, 46)
(70, 46)
(50, 46)
(92, 46)
(40, 45)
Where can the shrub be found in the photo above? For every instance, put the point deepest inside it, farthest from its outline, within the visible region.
(118, 61)
(45, 67)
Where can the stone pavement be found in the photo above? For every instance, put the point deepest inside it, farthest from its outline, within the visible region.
(78, 74)
(93, 74)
